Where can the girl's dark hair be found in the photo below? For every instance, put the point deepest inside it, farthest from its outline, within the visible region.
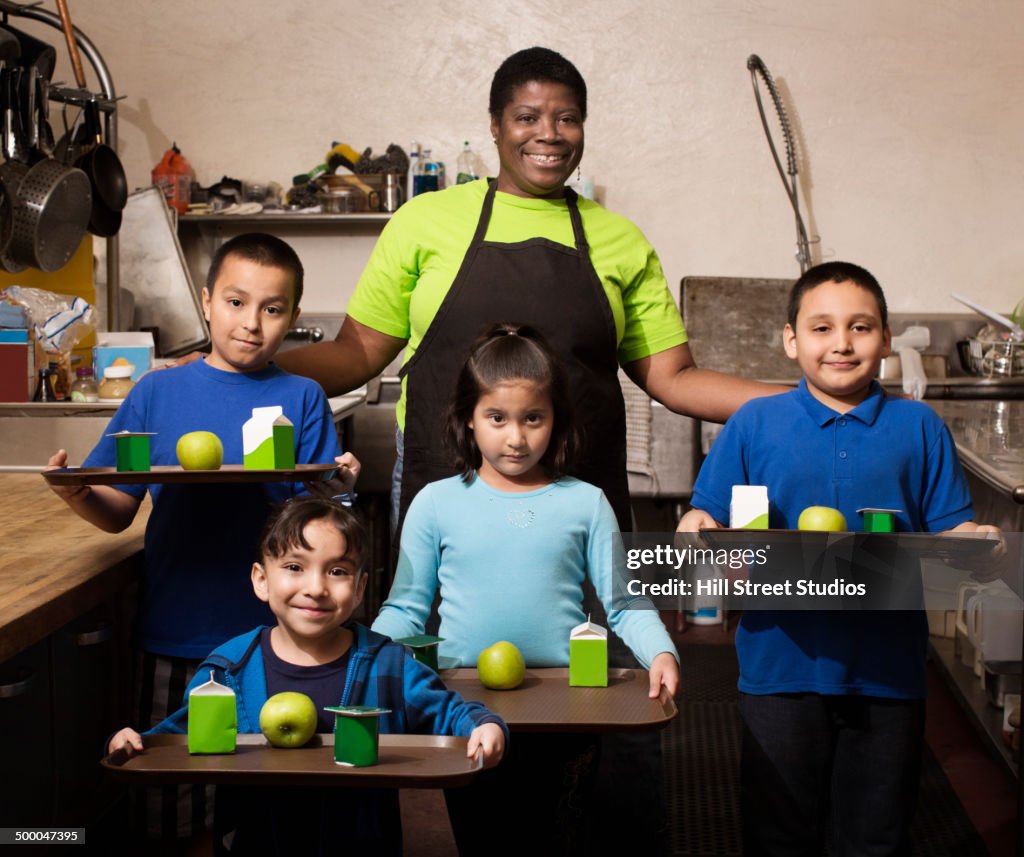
(509, 352)
(284, 528)
(535, 64)
(835, 272)
(263, 249)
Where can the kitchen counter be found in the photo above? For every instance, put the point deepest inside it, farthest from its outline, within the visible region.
(989, 436)
(55, 566)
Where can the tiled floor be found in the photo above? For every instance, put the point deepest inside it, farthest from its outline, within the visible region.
(985, 790)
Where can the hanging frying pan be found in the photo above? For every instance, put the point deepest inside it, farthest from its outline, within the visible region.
(33, 51)
(99, 162)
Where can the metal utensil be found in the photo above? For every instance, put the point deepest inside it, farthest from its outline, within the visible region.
(1016, 331)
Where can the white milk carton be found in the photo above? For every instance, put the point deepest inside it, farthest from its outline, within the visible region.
(268, 440)
(749, 507)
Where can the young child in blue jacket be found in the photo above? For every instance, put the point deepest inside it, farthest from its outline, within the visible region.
(311, 576)
(832, 703)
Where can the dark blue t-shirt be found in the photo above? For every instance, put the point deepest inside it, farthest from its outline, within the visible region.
(323, 684)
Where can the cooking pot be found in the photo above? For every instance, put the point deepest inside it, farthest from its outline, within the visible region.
(342, 199)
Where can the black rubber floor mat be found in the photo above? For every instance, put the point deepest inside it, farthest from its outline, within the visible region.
(702, 754)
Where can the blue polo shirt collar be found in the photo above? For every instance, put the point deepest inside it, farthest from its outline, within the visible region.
(866, 412)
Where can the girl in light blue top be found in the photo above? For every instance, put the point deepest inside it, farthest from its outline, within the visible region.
(510, 541)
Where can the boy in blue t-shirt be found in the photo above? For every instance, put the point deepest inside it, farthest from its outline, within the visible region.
(833, 702)
(199, 538)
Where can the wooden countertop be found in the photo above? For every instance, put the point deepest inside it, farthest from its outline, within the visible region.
(53, 565)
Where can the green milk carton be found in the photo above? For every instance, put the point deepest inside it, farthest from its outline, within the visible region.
(268, 440)
(588, 655)
(132, 449)
(356, 734)
(879, 520)
(423, 648)
(212, 718)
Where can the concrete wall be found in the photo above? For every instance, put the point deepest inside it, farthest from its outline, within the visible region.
(908, 116)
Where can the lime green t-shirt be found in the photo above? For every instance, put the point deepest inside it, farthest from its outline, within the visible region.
(420, 251)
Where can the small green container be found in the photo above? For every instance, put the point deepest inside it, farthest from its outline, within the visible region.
(132, 449)
(356, 734)
(424, 648)
(879, 520)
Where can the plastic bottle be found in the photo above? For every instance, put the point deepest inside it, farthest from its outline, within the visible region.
(414, 162)
(58, 383)
(465, 170)
(85, 388)
(427, 174)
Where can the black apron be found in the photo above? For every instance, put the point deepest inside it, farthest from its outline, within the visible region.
(555, 289)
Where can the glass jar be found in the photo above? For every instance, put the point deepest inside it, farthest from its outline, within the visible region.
(117, 381)
(85, 388)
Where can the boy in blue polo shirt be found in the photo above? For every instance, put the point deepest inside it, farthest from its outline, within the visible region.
(833, 703)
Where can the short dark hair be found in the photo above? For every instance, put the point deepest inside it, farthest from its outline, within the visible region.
(835, 272)
(263, 249)
(535, 64)
(284, 528)
(507, 352)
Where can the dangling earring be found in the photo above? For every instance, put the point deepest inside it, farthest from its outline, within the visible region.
(579, 173)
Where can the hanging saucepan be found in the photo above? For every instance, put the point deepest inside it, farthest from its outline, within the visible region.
(10, 49)
(99, 162)
(7, 192)
(52, 205)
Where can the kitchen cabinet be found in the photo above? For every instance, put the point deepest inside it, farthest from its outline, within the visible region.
(66, 596)
(26, 798)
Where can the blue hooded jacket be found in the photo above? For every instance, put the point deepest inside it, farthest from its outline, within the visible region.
(380, 673)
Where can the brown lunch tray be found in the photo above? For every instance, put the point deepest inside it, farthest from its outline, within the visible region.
(167, 474)
(404, 761)
(544, 702)
(919, 544)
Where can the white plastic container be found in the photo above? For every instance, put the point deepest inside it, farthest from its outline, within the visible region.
(707, 601)
(995, 622)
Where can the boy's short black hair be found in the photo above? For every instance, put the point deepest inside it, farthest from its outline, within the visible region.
(835, 272)
(506, 352)
(263, 249)
(284, 528)
(535, 64)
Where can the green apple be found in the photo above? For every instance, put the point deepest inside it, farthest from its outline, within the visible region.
(821, 518)
(501, 666)
(200, 450)
(288, 719)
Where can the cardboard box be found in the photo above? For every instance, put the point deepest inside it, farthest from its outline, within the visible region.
(588, 656)
(749, 507)
(136, 348)
(16, 366)
(423, 648)
(268, 440)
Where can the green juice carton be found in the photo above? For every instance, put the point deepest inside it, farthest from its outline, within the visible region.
(423, 648)
(356, 734)
(268, 440)
(132, 449)
(588, 655)
(212, 718)
(749, 507)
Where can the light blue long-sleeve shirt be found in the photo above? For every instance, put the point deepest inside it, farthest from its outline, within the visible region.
(510, 566)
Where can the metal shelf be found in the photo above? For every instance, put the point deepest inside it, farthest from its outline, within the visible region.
(281, 219)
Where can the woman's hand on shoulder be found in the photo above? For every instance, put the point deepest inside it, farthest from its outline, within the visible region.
(489, 740)
(184, 360)
(664, 672)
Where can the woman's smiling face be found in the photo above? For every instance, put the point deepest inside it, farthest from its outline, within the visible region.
(540, 140)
